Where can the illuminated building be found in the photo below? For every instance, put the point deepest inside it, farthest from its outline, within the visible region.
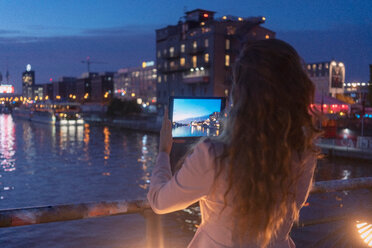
(102, 87)
(328, 77)
(28, 81)
(356, 90)
(6, 89)
(48, 91)
(136, 83)
(63, 88)
(84, 86)
(194, 57)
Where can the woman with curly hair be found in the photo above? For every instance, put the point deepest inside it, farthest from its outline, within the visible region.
(252, 180)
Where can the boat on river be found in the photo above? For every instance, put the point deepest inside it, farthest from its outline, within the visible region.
(61, 114)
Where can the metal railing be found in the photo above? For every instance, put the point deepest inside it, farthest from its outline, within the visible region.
(45, 214)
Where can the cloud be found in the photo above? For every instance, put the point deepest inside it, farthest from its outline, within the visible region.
(7, 32)
(124, 30)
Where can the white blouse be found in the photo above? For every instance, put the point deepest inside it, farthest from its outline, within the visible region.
(193, 182)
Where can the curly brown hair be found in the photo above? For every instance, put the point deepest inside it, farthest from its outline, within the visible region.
(268, 125)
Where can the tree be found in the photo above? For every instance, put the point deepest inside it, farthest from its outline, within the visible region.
(119, 107)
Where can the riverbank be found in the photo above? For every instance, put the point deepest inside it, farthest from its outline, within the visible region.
(137, 122)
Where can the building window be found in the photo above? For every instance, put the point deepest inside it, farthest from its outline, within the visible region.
(314, 67)
(182, 61)
(165, 78)
(159, 54)
(165, 65)
(171, 51)
(195, 45)
(226, 92)
(182, 48)
(267, 36)
(309, 67)
(165, 51)
(172, 64)
(320, 66)
(206, 43)
(194, 61)
(227, 60)
(206, 58)
(326, 65)
(159, 79)
(227, 44)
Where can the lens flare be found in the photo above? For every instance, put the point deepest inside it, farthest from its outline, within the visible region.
(365, 232)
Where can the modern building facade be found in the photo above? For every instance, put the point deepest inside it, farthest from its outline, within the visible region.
(328, 77)
(102, 87)
(84, 86)
(357, 91)
(64, 88)
(194, 57)
(28, 81)
(137, 83)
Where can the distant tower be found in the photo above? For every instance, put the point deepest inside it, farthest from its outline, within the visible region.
(28, 80)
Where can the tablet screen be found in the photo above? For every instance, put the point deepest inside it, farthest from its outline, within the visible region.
(195, 117)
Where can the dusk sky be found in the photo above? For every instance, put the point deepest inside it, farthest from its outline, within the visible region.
(55, 36)
(188, 108)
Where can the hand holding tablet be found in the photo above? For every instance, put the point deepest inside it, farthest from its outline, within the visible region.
(196, 116)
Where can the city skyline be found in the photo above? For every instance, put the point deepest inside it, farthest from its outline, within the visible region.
(55, 37)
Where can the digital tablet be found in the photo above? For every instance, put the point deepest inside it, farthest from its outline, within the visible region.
(196, 116)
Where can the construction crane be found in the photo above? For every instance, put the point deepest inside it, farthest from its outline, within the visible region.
(88, 62)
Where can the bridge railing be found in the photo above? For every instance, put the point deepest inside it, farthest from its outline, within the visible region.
(45, 214)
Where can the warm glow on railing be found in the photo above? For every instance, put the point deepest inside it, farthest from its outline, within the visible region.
(365, 232)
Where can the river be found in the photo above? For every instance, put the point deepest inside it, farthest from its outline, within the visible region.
(47, 165)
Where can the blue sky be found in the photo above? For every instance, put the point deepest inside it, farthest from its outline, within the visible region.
(54, 36)
(187, 108)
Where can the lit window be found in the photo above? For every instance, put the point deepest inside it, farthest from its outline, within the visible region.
(172, 64)
(159, 79)
(314, 67)
(159, 54)
(194, 45)
(182, 48)
(326, 65)
(267, 36)
(320, 66)
(227, 44)
(226, 92)
(206, 42)
(165, 78)
(194, 61)
(182, 61)
(171, 51)
(206, 58)
(227, 60)
(309, 67)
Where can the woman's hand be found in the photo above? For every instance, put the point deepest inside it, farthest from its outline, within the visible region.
(166, 139)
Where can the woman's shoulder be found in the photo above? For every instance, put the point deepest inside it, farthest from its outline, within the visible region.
(212, 147)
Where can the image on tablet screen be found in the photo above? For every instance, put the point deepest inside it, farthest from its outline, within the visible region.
(196, 117)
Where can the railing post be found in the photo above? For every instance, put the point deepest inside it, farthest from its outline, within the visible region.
(154, 229)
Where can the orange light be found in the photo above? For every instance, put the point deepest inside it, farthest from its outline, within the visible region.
(205, 15)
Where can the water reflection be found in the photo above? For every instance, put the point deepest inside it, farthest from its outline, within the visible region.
(7, 151)
(106, 141)
(191, 131)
